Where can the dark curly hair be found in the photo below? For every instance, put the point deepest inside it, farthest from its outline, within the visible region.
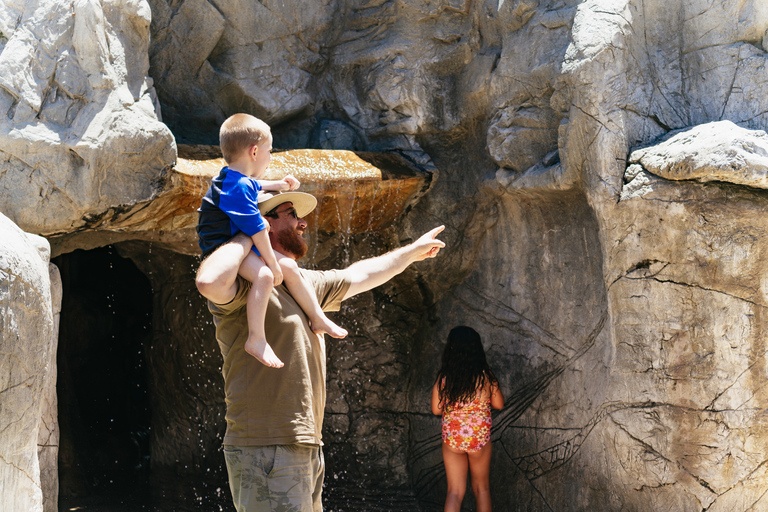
(464, 368)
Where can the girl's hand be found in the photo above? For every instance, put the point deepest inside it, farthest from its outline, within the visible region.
(292, 182)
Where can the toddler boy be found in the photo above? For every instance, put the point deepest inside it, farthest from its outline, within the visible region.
(230, 206)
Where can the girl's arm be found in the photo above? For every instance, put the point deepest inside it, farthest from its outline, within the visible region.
(437, 407)
(287, 183)
(497, 399)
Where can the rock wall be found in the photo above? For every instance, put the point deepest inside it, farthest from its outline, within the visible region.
(30, 296)
(79, 132)
(616, 277)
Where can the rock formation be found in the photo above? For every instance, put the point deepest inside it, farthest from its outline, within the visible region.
(599, 166)
(30, 295)
(79, 132)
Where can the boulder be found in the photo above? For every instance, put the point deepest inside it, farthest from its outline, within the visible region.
(719, 151)
(30, 297)
(681, 240)
(80, 131)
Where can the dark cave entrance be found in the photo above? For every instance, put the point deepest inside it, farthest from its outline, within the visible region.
(103, 397)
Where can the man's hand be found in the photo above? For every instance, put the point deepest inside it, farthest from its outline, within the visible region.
(427, 246)
(370, 273)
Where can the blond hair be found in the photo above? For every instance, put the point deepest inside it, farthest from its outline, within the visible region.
(238, 133)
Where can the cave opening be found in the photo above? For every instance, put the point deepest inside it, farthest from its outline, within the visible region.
(103, 397)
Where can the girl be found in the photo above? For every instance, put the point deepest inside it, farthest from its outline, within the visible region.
(464, 392)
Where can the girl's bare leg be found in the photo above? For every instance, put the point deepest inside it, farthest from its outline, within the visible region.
(456, 464)
(306, 298)
(479, 470)
(258, 273)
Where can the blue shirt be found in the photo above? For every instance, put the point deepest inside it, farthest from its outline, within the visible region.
(229, 206)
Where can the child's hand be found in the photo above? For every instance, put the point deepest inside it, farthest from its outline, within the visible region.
(292, 182)
(278, 275)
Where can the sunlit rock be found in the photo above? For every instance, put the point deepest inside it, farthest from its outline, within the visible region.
(681, 261)
(720, 151)
(30, 294)
(356, 192)
(79, 131)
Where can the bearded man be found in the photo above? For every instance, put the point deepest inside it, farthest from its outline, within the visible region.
(272, 446)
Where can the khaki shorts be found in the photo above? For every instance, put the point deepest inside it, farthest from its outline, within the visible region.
(282, 478)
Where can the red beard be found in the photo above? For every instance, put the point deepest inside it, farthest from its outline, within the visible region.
(292, 243)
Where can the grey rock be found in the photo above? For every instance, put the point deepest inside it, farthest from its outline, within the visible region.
(79, 133)
(336, 135)
(718, 151)
(30, 295)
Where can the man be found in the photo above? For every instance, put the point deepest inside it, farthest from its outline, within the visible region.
(272, 445)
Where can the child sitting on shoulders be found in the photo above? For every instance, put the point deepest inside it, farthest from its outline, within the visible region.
(230, 206)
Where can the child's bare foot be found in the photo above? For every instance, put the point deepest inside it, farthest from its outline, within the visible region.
(322, 325)
(260, 349)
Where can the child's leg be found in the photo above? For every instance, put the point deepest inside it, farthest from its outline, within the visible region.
(456, 474)
(306, 298)
(256, 271)
(479, 469)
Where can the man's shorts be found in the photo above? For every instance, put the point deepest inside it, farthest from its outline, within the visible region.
(281, 478)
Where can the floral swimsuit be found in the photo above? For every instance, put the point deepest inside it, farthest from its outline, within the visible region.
(467, 426)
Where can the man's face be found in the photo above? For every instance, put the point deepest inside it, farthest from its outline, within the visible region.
(286, 230)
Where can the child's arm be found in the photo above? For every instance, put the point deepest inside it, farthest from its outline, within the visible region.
(437, 407)
(287, 183)
(497, 399)
(261, 241)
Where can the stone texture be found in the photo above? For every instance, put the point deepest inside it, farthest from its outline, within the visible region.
(615, 275)
(720, 151)
(79, 132)
(30, 295)
(49, 432)
(357, 192)
(684, 322)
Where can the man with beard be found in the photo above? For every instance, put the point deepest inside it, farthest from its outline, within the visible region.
(272, 446)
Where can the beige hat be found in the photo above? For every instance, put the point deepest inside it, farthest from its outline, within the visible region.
(303, 203)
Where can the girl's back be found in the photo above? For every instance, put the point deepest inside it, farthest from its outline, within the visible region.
(464, 393)
(467, 425)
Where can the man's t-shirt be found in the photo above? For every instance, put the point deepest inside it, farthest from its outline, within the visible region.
(267, 406)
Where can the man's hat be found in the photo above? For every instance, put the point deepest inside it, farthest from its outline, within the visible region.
(303, 203)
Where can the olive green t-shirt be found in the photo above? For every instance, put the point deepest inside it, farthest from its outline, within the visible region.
(267, 406)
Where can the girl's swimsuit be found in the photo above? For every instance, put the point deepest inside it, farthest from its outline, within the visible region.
(467, 427)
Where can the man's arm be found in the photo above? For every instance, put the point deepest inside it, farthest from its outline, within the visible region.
(216, 277)
(367, 274)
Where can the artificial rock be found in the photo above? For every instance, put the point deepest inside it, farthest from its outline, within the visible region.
(30, 295)
(599, 166)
